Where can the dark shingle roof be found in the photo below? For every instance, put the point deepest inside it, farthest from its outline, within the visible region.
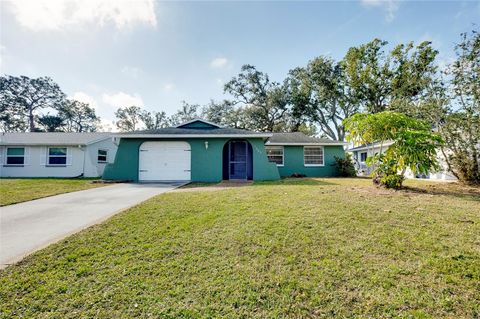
(298, 138)
(195, 128)
(51, 138)
(194, 131)
(179, 132)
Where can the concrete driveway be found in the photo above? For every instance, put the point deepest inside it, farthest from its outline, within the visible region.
(29, 226)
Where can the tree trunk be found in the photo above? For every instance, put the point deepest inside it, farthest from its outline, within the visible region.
(30, 119)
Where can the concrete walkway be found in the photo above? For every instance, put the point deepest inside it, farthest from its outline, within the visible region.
(30, 226)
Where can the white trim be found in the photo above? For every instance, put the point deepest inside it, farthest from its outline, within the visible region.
(177, 136)
(24, 156)
(27, 156)
(283, 154)
(323, 156)
(106, 155)
(306, 144)
(368, 147)
(95, 141)
(198, 120)
(57, 165)
(56, 143)
(360, 159)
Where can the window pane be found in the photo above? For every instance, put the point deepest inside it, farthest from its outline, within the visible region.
(102, 156)
(276, 159)
(363, 157)
(57, 151)
(60, 160)
(313, 155)
(18, 151)
(314, 160)
(313, 151)
(15, 160)
(275, 154)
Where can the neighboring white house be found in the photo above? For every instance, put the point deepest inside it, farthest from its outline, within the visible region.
(55, 154)
(361, 153)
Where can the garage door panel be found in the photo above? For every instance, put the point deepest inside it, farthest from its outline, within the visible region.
(162, 161)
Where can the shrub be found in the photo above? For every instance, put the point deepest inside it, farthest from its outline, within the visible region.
(414, 145)
(345, 166)
(392, 181)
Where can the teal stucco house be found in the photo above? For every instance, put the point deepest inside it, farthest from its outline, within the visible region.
(202, 151)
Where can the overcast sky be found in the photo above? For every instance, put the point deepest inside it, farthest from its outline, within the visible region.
(156, 54)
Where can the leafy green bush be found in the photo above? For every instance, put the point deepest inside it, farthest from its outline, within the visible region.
(345, 166)
(392, 181)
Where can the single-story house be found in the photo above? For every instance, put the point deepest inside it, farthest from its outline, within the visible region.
(362, 152)
(55, 154)
(202, 151)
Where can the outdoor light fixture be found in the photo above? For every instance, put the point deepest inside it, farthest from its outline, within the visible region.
(206, 145)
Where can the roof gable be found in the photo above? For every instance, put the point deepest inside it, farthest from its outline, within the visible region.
(198, 124)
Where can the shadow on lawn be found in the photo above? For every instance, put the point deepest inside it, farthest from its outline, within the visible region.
(295, 181)
(447, 189)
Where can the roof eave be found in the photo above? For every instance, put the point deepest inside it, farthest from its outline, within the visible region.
(44, 144)
(100, 139)
(369, 147)
(307, 143)
(176, 136)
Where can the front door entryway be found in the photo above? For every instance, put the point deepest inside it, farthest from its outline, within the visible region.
(237, 160)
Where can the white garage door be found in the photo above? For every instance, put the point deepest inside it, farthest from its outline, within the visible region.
(164, 161)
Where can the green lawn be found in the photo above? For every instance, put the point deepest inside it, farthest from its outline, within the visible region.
(21, 190)
(328, 248)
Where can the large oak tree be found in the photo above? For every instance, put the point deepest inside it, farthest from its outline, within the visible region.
(22, 97)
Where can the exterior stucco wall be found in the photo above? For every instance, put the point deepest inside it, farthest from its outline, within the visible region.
(35, 163)
(92, 167)
(206, 163)
(294, 163)
(80, 160)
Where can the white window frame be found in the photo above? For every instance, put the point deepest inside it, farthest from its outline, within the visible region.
(106, 156)
(314, 165)
(7, 156)
(57, 165)
(360, 159)
(279, 148)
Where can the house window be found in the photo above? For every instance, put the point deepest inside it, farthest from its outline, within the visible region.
(275, 154)
(57, 156)
(102, 156)
(313, 155)
(15, 156)
(363, 157)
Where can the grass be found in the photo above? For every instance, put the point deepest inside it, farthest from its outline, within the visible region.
(327, 248)
(21, 190)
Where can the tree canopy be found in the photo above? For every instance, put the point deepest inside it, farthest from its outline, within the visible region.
(414, 145)
(22, 97)
(23, 100)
